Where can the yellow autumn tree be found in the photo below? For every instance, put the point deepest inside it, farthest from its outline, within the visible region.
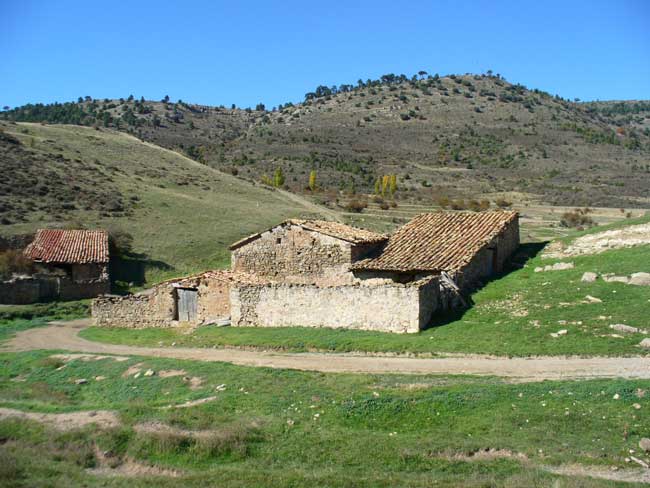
(393, 185)
(385, 182)
(312, 180)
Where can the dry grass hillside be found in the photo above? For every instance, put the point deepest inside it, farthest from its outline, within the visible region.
(471, 136)
(182, 214)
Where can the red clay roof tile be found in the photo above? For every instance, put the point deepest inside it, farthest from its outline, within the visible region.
(442, 241)
(69, 246)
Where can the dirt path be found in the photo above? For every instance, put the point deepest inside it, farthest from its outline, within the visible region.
(63, 336)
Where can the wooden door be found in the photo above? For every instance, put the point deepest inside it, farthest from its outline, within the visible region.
(187, 304)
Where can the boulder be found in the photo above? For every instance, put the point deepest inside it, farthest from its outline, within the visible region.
(624, 328)
(611, 278)
(640, 279)
(149, 372)
(589, 277)
(644, 444)
(559, 333)
(645, 343)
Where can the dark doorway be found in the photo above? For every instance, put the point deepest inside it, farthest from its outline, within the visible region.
(186, 304)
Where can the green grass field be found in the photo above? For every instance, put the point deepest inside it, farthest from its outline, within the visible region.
(288, 428)
(513, 315)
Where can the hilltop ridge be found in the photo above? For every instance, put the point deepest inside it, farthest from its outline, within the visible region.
(468, 136)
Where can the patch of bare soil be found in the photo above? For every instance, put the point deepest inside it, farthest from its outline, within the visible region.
(638, 475)
(66, 421)
(486, 454)
(633, 235)
(170, 373)
(87, 357)
(164, 429)
(191, 403)
(195, 382)
(109, 465)
(136, 368)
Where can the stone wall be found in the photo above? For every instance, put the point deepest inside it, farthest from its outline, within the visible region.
(296, 255)
(43, 288)
(157, 307)
(491, 259)
(20, 291)
(388, 307)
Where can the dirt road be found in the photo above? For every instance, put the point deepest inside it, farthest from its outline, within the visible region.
(63, 336)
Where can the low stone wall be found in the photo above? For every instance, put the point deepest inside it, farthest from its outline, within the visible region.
(388, 307)
(133, 311)
(20, 291)
(33, 289)
(157, 307)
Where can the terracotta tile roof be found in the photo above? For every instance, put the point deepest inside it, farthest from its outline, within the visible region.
(442, 241)
(69, 246)
(333, 229)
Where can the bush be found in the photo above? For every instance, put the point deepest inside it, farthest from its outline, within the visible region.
(458, 204)
(578, 219)
(502, 203)
(384, 206)
(443, 201)
(120, 242)
(356, 205)
(14, 261)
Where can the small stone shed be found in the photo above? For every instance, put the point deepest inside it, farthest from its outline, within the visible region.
(69, 265)
(314, 273)
(468, 247)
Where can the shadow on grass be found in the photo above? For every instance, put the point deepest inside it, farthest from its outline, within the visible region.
(129, 270)
(524, 253)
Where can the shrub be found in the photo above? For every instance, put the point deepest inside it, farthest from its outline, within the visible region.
(356, 205)
(578, 219)
(442, 201)
(458, 204)
(120, 242)
(384, 206)
(14, 261)
(502, 203)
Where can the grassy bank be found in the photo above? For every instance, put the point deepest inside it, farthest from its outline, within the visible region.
(288, 428)
(514, 315)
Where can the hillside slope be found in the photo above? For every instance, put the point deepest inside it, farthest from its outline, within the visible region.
(470, 136)
(182, 214)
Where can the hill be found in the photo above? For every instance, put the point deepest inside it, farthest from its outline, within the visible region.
(182, 214)
(470, 136)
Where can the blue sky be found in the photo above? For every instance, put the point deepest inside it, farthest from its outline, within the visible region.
(245, 52)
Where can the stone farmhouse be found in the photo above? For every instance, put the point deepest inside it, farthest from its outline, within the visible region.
(316, 273)
(68, 265)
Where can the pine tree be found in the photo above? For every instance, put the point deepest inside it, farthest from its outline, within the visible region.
(312, 180)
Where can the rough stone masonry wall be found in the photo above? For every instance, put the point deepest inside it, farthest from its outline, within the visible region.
(481, 265)
(295, 255)
(385, 307)
(157, 307)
